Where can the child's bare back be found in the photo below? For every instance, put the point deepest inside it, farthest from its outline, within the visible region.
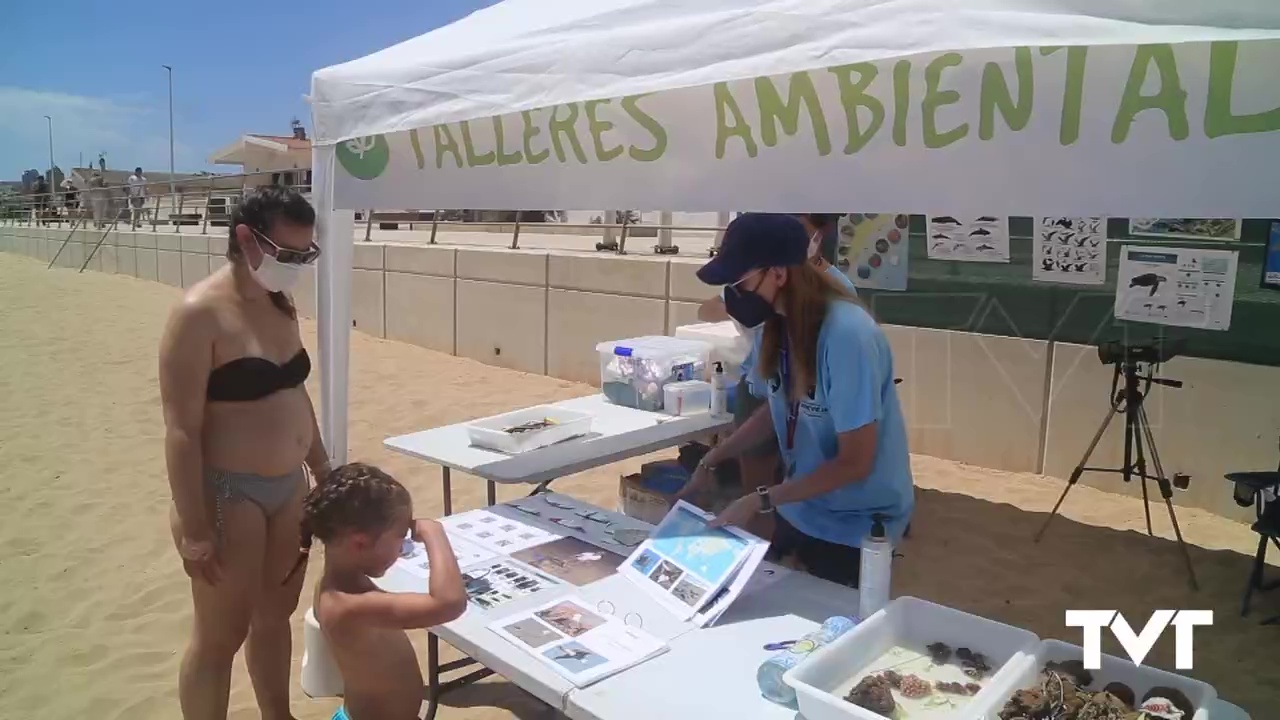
(362, 515)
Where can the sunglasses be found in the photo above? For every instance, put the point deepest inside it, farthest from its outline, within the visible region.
(289, 256)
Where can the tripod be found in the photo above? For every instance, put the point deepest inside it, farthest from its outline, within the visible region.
(1138, 377)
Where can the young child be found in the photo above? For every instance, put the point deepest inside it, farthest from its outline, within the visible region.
(362, 515)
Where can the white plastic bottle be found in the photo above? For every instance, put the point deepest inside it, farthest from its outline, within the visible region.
(876, 566)
(719, 392)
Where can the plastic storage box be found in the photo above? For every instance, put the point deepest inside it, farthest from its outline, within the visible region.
(635, 372)
(690, 397)
(1139, 678)
(823, 680)
(495, 433)
(728, 344)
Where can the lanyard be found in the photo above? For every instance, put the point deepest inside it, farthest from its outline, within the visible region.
(793, 407)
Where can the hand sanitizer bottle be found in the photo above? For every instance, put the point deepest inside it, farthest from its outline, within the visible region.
(873, 577)
(719, 392)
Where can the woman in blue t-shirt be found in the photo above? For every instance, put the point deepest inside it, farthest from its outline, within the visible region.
(826, 370)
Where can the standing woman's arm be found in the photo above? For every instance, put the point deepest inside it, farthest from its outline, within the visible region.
(186, 357)
(317, 456)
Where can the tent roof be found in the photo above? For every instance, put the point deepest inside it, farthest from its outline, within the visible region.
(523, 54)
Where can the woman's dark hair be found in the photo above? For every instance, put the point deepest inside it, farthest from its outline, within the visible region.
(822, 221)
(354, 498)
(261, 209)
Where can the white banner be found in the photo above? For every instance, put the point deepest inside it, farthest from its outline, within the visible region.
(1154, 130)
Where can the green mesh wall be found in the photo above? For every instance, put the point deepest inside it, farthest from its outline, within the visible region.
(1002, 299)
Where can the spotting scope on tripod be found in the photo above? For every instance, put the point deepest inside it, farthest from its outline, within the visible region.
(1137, 369)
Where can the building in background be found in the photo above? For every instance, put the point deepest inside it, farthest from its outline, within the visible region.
(270, 159)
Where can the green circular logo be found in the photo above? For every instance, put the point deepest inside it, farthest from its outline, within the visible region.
(365, 157)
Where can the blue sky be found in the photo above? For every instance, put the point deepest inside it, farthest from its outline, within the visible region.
(95, 67)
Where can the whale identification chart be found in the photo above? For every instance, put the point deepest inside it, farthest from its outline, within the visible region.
(968, 239)
(1185, 287)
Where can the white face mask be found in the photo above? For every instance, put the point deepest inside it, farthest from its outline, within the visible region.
(275, 276)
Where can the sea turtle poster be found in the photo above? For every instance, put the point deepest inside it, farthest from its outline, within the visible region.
(1186, 287)
(968, 239)
(872, 249)
(1070, 250)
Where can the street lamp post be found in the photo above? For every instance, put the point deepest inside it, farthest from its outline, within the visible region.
(50, 119)
(172, 190)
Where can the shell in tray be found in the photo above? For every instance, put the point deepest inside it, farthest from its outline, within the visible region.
(912, 660)
(1055, 677)
(528, 429)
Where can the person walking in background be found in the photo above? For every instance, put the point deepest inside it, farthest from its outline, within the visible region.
(99, 198)
(137, 192)
(40, 194)
(70, 197)
(239, 429)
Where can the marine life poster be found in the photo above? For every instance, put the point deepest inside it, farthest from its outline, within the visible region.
(1215, 229)
(1271, 261)
(872, 249)
(1070, 250)
(969, 239)
(1185, 287)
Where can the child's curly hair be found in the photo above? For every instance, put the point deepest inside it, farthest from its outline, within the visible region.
(355, 497)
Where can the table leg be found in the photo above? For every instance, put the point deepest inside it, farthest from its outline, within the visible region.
(448, 491)
(492, 493)
(436, 689)
(542, 487)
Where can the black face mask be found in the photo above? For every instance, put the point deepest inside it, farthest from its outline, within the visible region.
(747, 307)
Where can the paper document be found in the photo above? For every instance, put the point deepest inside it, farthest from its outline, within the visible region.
(1186, 287)
(578, 642)
(496, 533)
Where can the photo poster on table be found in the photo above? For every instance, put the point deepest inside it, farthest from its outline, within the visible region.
(572, 560)
(965, 239)
(502, 581)
(414, 560)
(684, 563)
(872, 249)
(494, 532)
(1271, 259)
(1205, 229)
(1185, 287)
(578, 642)
(1070, 250)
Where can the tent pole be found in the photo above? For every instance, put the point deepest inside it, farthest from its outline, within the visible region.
(333, 301)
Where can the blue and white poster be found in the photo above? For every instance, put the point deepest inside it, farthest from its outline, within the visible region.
(1186, 287)
(1271, 259)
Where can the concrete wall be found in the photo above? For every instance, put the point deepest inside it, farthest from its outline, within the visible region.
(997, 402)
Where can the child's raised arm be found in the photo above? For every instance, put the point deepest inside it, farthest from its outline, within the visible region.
(445, 599)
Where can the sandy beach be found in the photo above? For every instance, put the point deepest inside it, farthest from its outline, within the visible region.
(94, 607)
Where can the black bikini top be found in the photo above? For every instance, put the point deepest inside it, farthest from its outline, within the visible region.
(253, 378)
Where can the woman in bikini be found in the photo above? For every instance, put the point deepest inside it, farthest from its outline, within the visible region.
(239, 430)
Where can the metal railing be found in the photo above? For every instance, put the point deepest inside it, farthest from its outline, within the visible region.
(212, 200)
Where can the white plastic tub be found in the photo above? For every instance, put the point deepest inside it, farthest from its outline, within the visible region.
(728, 344)
(634, 372)
(1139, 678)
(492, 432)
(825, 678)
(691, 397)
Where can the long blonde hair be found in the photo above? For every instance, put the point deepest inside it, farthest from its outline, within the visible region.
(804, 299)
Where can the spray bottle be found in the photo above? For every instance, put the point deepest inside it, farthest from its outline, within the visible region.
(873, 578)
(719, 392)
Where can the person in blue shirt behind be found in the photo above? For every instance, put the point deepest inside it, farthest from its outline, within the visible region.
(759, 465)
(827, 372)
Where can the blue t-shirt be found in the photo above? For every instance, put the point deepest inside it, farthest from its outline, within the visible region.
(854, 388)
(754, 335)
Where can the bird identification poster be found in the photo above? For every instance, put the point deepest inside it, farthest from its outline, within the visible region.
(579, 642)
(967, 239)
(1070, 250)
(1185, 287)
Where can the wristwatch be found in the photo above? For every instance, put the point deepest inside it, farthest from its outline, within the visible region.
(766, 501)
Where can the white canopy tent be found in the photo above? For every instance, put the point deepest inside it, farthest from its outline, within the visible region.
(1007, 107)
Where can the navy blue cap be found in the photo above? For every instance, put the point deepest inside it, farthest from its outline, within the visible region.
(753, 241)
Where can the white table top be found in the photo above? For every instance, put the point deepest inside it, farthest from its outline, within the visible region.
(617, 433)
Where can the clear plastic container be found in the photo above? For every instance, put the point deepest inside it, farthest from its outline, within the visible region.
(690, 397)
(635, 372)
(728, 344)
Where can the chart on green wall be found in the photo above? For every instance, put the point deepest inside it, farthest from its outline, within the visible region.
(969, 239)
(1070, 250)
(1187, 287)
(872, 249)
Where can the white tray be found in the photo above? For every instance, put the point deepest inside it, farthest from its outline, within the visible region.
(1140, 678)
(491, 432)
(823, 679)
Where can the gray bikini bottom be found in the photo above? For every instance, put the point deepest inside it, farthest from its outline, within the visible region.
(270, 494)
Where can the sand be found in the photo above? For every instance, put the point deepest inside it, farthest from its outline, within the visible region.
(94, 608)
